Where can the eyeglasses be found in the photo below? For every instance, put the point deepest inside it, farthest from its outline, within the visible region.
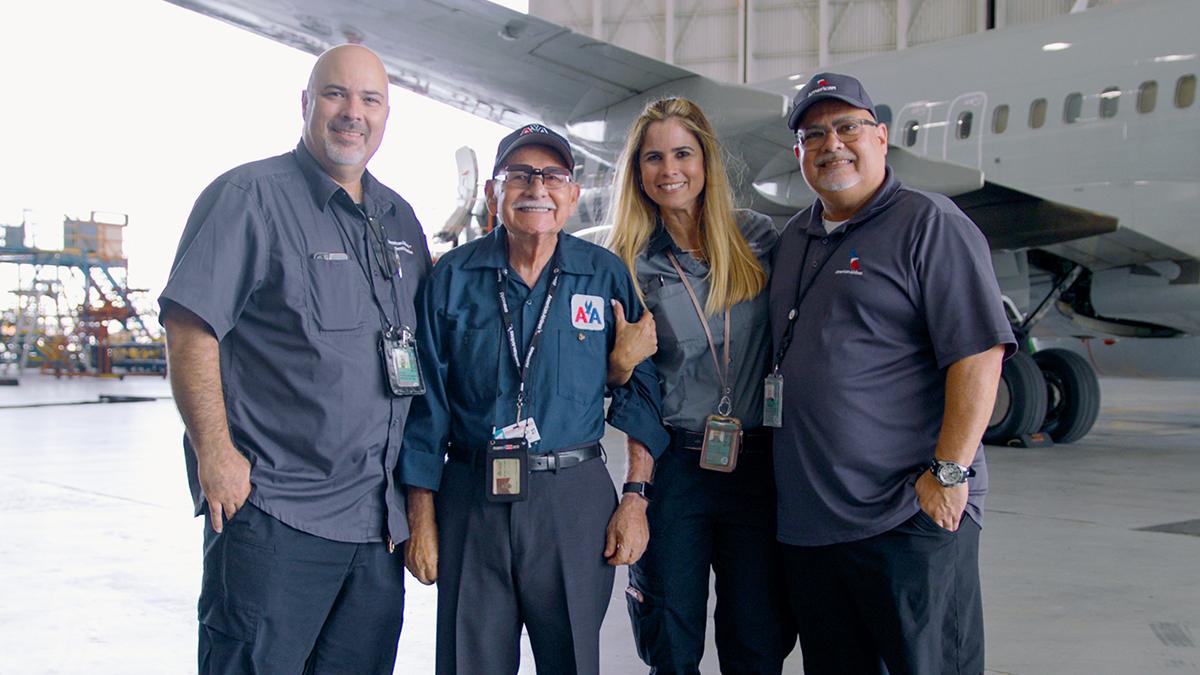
(520, 176)
(847, 131)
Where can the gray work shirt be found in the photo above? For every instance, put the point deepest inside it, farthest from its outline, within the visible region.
(275, 258)
(690, 383)
(896, 296)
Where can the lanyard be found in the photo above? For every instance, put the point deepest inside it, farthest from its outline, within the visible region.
(725, 406)
(384, 320)
(523, 370)
(801, 293)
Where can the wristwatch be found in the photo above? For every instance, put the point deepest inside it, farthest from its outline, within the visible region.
(950, 474)
(643, 490)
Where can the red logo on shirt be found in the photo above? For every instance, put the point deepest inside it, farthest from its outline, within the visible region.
(854, 265)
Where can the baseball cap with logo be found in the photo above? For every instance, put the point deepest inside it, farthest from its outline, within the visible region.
(825, 86)
(533, 134)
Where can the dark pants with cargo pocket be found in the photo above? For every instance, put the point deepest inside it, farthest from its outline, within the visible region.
(905, 602)
(538, 563)
(278, 600)
(701, 520)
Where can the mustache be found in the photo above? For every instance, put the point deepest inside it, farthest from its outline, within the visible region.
(349, 126)
(828, 157)
(533, 204)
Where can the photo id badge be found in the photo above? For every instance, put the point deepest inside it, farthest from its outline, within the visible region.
(507, 470)
(773, 400)
(722, 440)
(401, 366)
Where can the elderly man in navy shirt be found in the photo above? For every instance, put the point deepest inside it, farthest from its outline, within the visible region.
(889, 338)
(293, 276)
(515, 333)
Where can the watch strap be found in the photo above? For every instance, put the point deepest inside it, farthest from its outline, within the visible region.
(641, 489)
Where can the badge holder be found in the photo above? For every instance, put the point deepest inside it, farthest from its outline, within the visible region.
(773, 400)
(400, 363)
(722, 440)
(507, 470)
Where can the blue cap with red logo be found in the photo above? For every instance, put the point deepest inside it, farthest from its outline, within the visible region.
(825, 86)
(533, 134)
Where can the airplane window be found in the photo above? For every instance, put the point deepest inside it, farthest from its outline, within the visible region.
(1037, 113)
(964, 124)
(1072, 107)
(1000, 119)
(1110, 98)
(1185, 91)
(910, 133)
(883, 114)
(1147, 96)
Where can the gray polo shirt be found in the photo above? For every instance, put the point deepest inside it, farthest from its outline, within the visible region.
(899, 293)
(275, 259)
(690, 384)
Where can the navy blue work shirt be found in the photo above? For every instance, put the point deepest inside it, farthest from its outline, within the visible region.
(899, 293)
(275, 259)
(471, 378)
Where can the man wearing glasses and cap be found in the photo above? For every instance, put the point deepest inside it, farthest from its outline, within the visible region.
(889, 335)
(514, 333)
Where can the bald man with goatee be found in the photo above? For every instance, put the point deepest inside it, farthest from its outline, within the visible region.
(290, 321)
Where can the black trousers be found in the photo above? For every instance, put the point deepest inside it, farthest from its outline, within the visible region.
(903, 602)
(538, 563)
(278, 600)
(702, 520)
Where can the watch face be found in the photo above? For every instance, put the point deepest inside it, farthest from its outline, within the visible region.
(950, 474)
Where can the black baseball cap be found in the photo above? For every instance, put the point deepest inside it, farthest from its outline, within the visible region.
(824, 86)
(533, 134)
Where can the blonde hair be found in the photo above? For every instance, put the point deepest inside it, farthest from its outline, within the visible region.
(734, 273)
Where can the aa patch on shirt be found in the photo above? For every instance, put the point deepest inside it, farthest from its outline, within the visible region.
(587, 312)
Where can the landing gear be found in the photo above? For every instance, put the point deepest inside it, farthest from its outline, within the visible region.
(1020, 401)
(1073, 394)
(1054, 392)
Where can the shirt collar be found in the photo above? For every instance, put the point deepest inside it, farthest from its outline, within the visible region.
(492, 253)
(323, 187)
(659, 241)
(877, 202)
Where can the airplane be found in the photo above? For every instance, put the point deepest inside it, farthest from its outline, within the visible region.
(1069, 142)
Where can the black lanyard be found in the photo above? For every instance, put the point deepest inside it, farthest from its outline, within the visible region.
(523, 370)
(801, 293)
(384, 320)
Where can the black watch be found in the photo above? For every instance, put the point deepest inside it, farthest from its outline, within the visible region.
(950, 474)
(643, 490)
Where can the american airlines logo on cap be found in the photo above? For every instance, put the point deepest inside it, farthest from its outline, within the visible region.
(535, 129)
(822, 86)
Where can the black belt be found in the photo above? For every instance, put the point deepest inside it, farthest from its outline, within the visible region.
(753, 440)
(550, 461)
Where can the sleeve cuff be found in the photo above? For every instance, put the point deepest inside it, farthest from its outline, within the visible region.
(421, 469)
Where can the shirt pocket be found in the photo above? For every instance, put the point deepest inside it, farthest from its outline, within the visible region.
(674, 314)
(336, 294)
(582, 366)
(473, 362)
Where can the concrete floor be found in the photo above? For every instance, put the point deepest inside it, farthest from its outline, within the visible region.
(100, 557)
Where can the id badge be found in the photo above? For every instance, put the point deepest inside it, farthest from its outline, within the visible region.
(722, 440)
(401, 365)
(507, 470)
(773, 400)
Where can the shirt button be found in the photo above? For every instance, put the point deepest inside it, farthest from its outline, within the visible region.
(528, 302)
(825, 241)
(814, 264)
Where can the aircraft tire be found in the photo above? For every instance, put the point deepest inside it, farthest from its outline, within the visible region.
(1072, 393)
(1020, 401)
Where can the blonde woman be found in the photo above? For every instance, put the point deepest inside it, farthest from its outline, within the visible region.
(699, 262)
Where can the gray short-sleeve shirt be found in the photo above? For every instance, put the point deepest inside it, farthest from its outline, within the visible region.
(275, 259)
(896, 295)
(690, 383)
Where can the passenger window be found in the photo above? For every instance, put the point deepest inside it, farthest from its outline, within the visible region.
(910, 133)
(1147, 96)
(1185, 91)
(1072, 107)
(1110, 98)
(1000, 119)
(883, 114)
(963, 129)
(1037, 113)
